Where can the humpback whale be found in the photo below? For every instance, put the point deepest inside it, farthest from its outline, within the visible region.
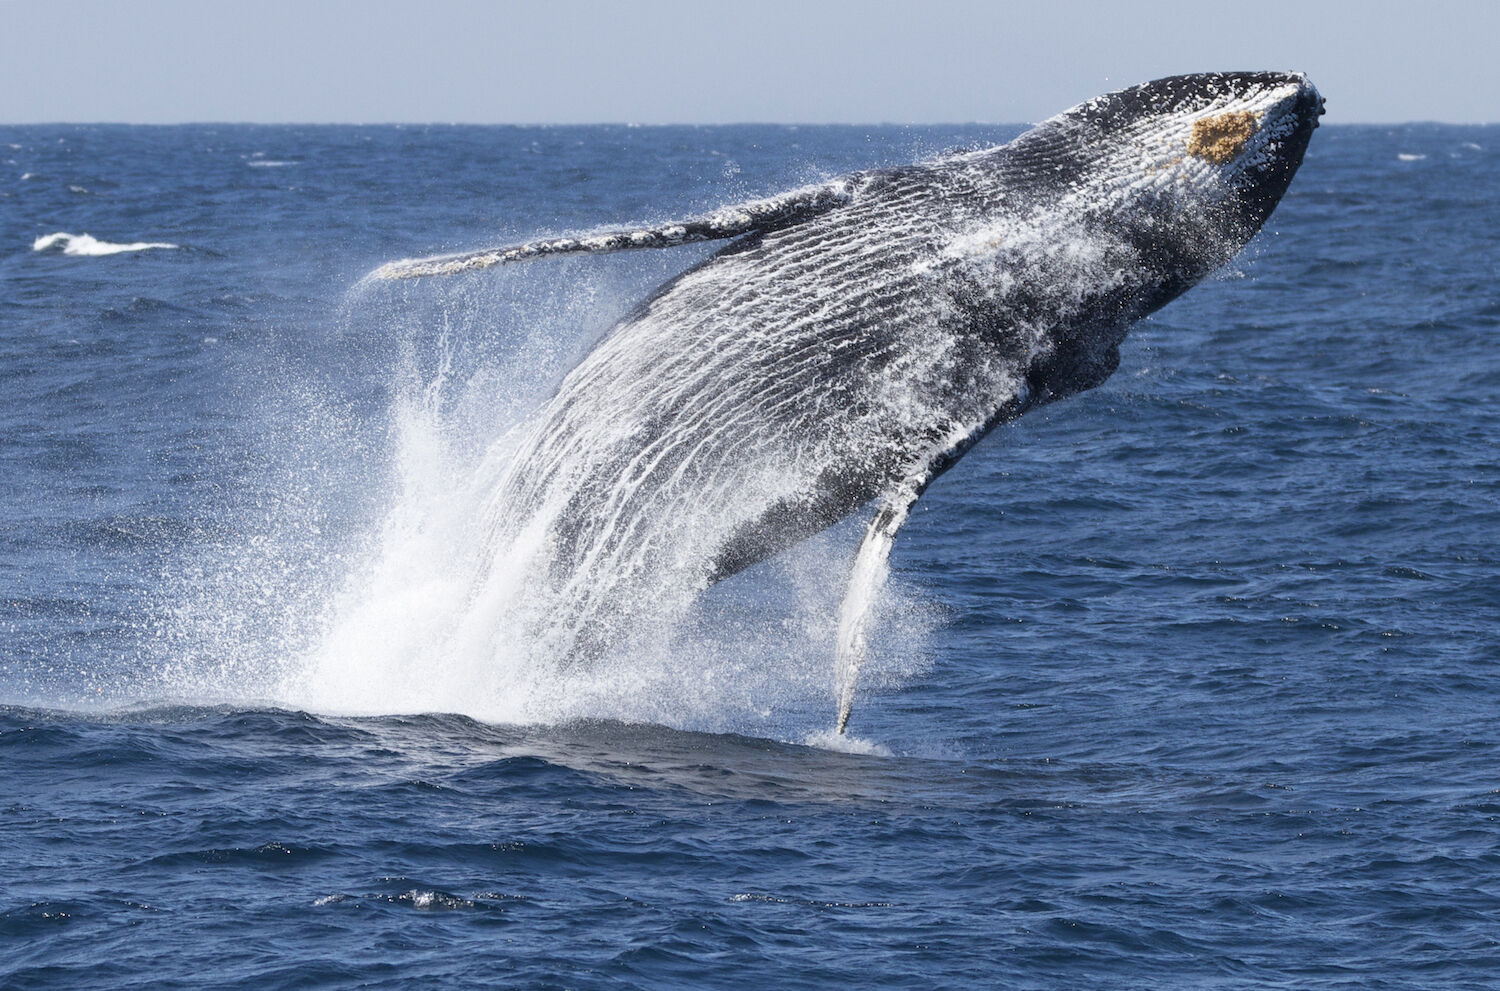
(853, 339)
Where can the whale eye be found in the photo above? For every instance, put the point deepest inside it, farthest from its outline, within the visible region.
(1219, 139)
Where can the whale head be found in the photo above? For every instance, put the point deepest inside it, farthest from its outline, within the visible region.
(1230, 139)
(1186, 169)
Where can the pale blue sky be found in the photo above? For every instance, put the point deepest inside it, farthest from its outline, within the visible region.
(703, 61)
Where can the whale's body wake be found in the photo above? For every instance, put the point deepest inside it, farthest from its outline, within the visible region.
(849, 345)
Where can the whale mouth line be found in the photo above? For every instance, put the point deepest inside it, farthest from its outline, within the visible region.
(1220, 139)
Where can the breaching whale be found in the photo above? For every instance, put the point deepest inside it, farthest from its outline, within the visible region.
(854, 340)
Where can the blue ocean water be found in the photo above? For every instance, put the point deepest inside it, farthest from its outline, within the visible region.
(1189, 681)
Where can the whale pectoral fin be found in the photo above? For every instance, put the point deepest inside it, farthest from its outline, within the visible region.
(871, 565)
(765, 215)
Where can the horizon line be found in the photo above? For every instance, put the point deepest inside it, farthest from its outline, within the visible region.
(641, 124)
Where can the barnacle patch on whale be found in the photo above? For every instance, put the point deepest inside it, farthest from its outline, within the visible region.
(1220, 138)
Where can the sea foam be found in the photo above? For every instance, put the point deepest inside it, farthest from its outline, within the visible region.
(89, 246)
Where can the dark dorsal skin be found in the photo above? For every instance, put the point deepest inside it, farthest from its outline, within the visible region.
(858, 337)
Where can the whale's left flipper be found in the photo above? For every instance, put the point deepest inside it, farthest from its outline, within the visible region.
(871, 565)
(871, 560)
(762, 216)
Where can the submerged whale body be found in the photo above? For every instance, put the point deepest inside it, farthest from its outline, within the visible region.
(854, 339)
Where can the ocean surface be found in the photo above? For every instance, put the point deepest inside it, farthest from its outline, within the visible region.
(1192, 681)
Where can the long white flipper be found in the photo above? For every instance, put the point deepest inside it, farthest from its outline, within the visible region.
(871, 561)
(758, 215)
(871, 565)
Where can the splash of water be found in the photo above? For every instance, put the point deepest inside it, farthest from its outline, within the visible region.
(393, 621)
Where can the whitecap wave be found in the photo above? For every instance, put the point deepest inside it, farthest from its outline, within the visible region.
(89, 246)
(1409, 157)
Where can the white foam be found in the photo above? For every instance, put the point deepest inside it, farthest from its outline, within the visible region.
(1409, 157)
(405, 630)
(267, 163)
(86, 245)
(845, 744)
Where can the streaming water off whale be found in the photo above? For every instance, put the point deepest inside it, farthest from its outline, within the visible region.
(1188, 681)
(413, 629)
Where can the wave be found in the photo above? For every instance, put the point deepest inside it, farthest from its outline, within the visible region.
(90, 246)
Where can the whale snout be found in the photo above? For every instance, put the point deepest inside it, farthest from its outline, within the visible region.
(1304, 102)
(1322, 107)
(1305, 106)
(1309, 102)
(1288, 106)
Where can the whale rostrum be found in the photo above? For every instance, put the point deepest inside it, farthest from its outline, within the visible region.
(852, 341)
